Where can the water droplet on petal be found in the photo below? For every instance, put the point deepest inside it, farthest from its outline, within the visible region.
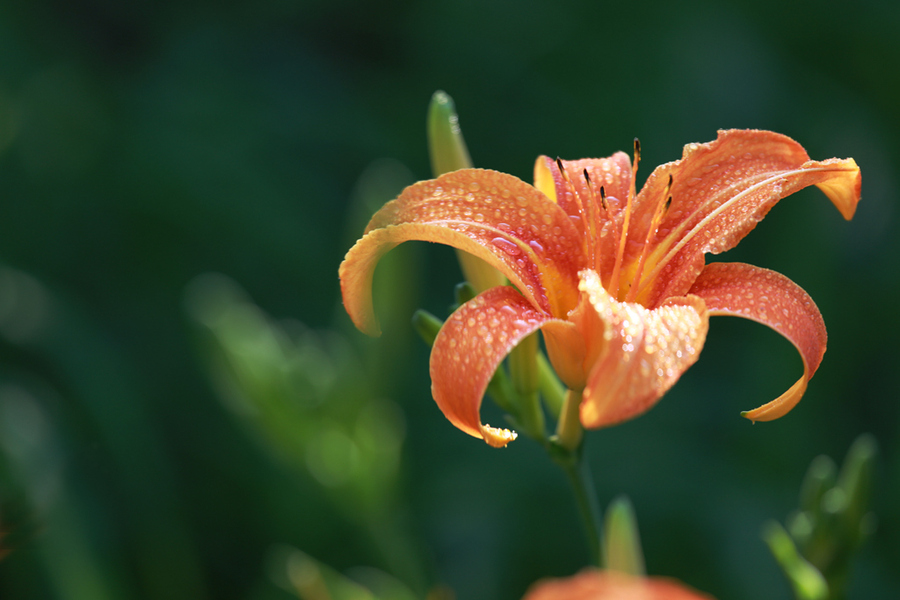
(507, 246)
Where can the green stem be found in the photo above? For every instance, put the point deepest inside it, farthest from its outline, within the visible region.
(567, 450)
(579, 475)
(569, 432)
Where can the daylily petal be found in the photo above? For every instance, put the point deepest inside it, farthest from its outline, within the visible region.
(575, 345)
(774, 300)
(720, 191)
(646, 352)
(491, 215)
(566, 348)
(599, 220)
(471, 344)
(573, 191)
(592, 584)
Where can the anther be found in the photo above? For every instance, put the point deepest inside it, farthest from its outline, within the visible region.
(669, 197)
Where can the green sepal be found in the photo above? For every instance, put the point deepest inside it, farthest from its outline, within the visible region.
(426, 325)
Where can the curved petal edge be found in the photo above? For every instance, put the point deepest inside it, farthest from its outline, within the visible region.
(770, 298)
(469, 348)
(646, 352)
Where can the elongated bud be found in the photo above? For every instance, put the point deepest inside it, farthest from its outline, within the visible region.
(445, 141)
(449, 153)
(622, 547)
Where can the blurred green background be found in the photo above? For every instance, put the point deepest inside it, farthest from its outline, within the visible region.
(183, 403)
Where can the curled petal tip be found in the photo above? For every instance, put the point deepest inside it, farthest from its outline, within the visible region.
(497, 437)
(780, 406)
(844, 188)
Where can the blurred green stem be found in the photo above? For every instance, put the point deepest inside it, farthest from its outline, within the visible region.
(576, 468)
(566, 449)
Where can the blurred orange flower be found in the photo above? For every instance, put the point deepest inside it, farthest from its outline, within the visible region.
(616, 281)
(592, 584)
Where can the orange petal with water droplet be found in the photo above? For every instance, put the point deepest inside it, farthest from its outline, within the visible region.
(646, 352)
(471, 344)
(593, 584)
(613, 174)
(494, 216)
(720, 191)
(770, 298)
(599, 219)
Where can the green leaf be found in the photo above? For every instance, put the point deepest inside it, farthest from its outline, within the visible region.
(806, 580)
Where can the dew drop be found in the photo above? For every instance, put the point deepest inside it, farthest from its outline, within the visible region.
(474, 186)
(547, 219)
(507, 246)
(536, 246)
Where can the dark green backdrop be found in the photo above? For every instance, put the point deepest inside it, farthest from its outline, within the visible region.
(146, 144)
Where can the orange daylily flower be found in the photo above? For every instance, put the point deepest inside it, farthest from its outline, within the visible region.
(592, 584)
(616, 281)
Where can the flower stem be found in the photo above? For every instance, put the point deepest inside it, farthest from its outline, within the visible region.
(569, 432)
(567, 450)
(578, 472)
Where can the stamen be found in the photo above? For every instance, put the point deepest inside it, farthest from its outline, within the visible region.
(593, 221)
(585, 213)
(620, 255)
(661, 209)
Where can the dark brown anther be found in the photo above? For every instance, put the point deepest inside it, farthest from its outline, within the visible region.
(637, 150)
(668, 204)
(587, 177)
(559, 164)
(603, 198)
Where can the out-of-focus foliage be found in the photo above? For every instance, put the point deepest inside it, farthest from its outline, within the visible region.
(148, 451)
(830, 525)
